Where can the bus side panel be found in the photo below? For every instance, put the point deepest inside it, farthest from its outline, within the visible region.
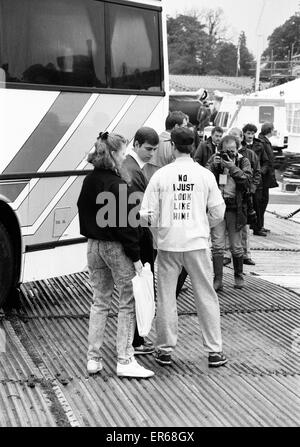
(52, 202)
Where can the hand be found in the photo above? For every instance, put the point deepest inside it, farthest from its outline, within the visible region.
(147, 216)
(138, 266)
(227, 164)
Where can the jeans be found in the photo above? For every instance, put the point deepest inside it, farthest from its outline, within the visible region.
(108, 265)
(218, 236)
(199, 267)
(257, 205)
(264, 203)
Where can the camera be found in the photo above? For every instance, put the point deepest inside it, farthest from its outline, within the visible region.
(223, 155)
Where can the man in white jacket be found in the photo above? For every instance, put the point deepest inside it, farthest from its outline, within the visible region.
(181, 202)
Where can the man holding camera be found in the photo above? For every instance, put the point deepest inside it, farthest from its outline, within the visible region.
(255, 182)
(233, 174)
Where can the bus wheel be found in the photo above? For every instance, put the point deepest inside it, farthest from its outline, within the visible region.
(6, 264)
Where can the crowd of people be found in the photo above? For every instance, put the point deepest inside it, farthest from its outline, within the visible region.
(185, 205)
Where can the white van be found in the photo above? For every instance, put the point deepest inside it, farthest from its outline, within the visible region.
(236, 111)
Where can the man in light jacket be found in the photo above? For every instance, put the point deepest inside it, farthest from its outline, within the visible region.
(165, 153)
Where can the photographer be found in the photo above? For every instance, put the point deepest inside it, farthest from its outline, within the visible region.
(255, 183)
(233, 174)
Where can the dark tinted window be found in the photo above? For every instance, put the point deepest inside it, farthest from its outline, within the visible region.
(266, 114)
(221, 119)
(134, 48)
(58, 42)
(63, 42)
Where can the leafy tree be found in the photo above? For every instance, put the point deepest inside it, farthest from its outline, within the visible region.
(226, 59)
(284, 40)
(246, 58)
(196, 45)
(185, 38)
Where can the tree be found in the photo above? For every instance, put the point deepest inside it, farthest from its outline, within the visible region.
(185, 39)
(197, 45)
(226, 58)
(246, 58)
(285, 40)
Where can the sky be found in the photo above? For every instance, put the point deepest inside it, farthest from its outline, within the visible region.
(243, 15)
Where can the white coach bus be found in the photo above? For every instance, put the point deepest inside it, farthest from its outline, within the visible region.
(68, 70)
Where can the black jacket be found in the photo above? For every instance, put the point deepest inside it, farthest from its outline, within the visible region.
(112, 225)
(138, 179)
(204, 151)
(269, 175)
(241, 174)
(255, 166)
(258, 148)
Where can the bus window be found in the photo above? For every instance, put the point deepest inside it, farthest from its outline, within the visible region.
(2, 75)
(59, 42)
(266, 114)
(134, 66)
(221, 119)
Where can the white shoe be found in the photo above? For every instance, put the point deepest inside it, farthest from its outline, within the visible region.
(133, 369)
(94, 366)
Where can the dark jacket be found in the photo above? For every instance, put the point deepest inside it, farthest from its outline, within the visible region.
(259, 150)
(269, 176)
(138, 179)
(204, 151)
(138, 184)
(107, 181)
(255, 166)
(241, 173)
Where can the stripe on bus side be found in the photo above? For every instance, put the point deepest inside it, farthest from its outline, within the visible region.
(43, 227)
(152, 121)
(47, 134)
(57, 149)
(73, 152)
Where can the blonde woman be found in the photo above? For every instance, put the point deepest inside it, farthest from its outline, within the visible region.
(113, 252)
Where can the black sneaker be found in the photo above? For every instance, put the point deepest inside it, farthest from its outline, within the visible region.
(216, 359)
(146, 348)
(248, 261)
(163, 359)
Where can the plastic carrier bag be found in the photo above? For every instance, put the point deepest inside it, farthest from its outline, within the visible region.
(143, 292)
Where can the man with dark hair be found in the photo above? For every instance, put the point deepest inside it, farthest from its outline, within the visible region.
(164, 153)
(233, 174)
(255, 182)
(182, 201)
(145, 144)
(250, 142)
(269, 179)
(209, 147)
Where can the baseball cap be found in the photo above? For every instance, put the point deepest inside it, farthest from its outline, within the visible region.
(182, 136)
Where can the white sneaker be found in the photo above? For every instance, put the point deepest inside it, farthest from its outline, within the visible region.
(133, 369)
(94, 366)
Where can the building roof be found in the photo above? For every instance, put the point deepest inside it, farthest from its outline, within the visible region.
(230, 84)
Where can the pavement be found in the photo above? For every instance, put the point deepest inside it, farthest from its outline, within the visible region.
(277, 256)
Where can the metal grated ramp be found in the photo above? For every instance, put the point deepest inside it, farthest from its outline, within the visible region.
(260, 386)
(71, 296)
